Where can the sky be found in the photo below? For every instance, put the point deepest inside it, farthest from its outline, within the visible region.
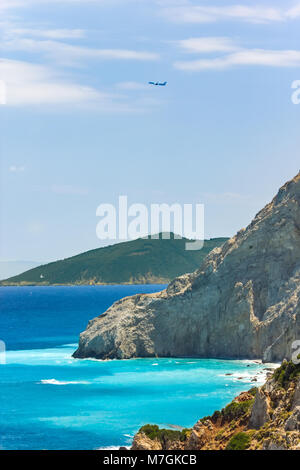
(81, 126)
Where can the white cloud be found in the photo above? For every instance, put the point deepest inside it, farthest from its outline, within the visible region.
(2, 92)
(184, 11)
(239, 56)
(69, 54)
(294, 12)
(189, 13)
(207, 44)
(49, 33)
(246, 57)
(16, 169)
(30, 84)
(131, 86)
(10, 4)
(51, 93)
(284, 58)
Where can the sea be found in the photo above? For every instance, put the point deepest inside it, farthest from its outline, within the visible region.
(51, 401)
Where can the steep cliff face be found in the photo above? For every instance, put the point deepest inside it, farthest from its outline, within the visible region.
(267, 418)
(244, 301)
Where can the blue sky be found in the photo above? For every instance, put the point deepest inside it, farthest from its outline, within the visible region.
(81, 126)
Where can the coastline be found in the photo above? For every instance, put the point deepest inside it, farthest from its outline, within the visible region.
(86, 284)
(268, 365)
(262, 418)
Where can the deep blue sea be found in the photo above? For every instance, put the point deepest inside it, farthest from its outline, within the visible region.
(51, 401)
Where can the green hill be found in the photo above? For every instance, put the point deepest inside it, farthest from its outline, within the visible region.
(135, 262)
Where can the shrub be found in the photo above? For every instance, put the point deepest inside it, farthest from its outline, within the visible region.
(286, 372)
(163, 435)
(151, 430)
(236, 410)
(239, 441)
(253, 391)
(216, 416)
(220, 435)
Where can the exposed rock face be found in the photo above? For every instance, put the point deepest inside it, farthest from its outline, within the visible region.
(296, 398)
(260, 414)
(293, 423)
(244, 301)
(142, 442)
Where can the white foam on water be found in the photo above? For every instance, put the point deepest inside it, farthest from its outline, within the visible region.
(61, 382)
(40, 356)
(112, 447)
(255, 376)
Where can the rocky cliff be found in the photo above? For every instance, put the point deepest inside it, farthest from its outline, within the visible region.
(267, 418)
(244, 301)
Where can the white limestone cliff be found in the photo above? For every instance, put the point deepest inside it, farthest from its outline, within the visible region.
(243, 302)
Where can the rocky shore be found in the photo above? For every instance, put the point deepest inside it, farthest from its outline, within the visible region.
(264, 418)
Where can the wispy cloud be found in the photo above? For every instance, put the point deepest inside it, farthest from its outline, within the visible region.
(29, 84)
(10, 4)
(70, 54)
(207, 45)
(188, 13)
(131, 86)
(42, 84)
(245, 57)
(293, 12)
(236, 55)
(185, 12)
(16, 169)
(48, 33)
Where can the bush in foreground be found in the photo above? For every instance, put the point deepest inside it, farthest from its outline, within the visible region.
(239, 441)
(163, 435)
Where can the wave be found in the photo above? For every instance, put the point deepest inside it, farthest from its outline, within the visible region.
(61, 382)
(258, 376)
(112, 447)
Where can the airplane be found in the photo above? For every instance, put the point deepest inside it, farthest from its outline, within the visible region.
(158, 83)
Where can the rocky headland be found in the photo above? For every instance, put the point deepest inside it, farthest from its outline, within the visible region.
(150, 260)
(242, 302)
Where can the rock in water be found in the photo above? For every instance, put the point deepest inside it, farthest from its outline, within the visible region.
(243, 302)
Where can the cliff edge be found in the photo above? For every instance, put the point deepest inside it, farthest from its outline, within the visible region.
(243, 302)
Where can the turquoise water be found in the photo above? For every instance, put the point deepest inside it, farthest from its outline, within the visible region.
(51, 401)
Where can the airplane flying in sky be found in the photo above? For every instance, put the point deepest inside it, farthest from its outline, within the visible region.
(158, 83)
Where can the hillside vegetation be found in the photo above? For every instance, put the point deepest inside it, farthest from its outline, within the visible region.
(135, 262)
